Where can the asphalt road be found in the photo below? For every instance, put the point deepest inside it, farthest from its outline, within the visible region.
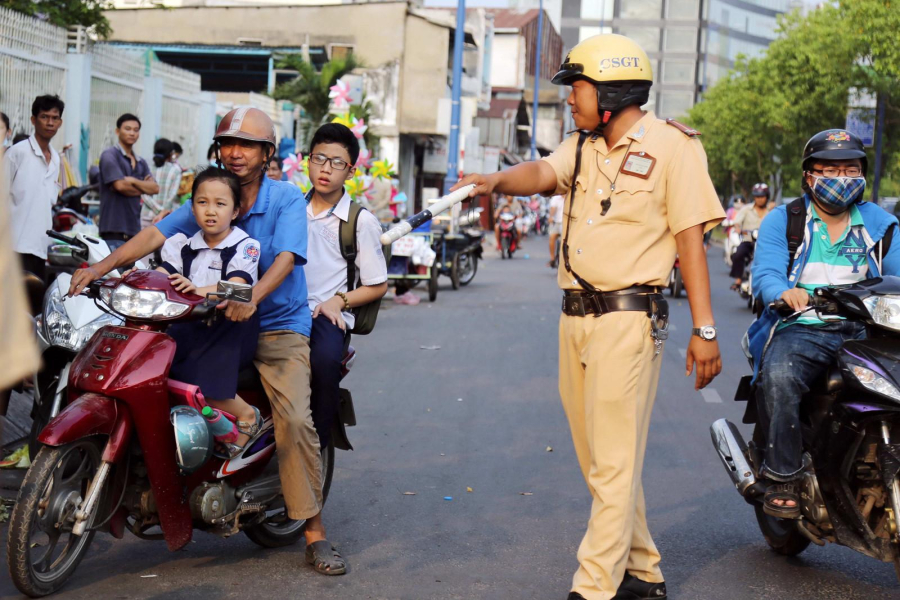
(481, 411)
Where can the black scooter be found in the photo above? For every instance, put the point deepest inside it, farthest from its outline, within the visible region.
(850, 493)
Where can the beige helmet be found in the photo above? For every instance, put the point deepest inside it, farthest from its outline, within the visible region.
(247, 123)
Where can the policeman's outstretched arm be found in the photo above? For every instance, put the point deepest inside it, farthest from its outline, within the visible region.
(524, 179)
(145, 242)
(704, 354)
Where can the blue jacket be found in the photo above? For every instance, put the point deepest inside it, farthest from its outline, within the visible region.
(770, 263)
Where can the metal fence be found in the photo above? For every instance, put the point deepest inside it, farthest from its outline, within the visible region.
(117, 87)
(32, 63)
(180, 108)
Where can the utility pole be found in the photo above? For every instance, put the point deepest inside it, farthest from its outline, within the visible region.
(879, 132)
(453, 149)
(537, 80)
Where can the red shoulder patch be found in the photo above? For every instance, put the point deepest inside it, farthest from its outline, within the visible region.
(688, 131)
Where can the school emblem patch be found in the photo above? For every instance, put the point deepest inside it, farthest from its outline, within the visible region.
(840, 136)
(251, 252)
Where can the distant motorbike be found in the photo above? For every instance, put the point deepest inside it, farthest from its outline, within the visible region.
(509, 235)
(676, 282)
(746, 287)
(850, 491)
(458, 255)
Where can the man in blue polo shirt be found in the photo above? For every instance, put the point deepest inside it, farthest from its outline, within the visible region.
(274, 213)
(124, 176)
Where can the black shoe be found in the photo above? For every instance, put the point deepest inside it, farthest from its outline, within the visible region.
(633, 588)
(575, 596)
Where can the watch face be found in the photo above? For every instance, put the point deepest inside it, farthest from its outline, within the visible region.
(708, 333)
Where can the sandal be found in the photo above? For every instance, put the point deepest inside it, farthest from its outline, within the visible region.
(785, 492)
(251, 429)
(325, 558)
(735, 287)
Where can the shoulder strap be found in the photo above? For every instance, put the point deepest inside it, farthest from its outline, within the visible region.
(582, 136)
(228, 253)
(188, 255)
(688, 131)
(347, 240)
(796, 214)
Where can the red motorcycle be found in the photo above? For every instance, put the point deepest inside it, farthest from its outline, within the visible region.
(509, 235)
(128, 452)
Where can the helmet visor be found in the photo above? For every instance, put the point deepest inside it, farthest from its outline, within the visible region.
(567, 72)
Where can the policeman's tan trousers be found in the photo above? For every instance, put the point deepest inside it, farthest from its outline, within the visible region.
(282, 358)
(608, 372)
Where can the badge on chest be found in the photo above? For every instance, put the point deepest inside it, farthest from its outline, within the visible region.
(638, 164)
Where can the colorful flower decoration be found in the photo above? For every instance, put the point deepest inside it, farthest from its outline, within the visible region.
(359, 127)
(343, 119)
(365, 159)
(382, 169)
(292, 164)
(356, 187)
(340, 93)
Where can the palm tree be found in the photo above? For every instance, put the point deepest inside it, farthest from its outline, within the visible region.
(310, 88)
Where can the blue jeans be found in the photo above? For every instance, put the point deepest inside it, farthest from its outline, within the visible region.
(796, 356)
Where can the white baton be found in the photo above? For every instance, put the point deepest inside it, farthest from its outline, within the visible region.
(398, 231)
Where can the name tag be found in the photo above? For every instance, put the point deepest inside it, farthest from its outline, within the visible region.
(216, 264)
(638, 164)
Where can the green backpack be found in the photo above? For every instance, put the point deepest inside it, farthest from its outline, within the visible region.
(367, 314)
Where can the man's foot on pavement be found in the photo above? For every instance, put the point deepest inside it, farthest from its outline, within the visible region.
(633, 588)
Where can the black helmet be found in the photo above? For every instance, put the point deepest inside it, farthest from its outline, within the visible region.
(834, 144)
(760, 189)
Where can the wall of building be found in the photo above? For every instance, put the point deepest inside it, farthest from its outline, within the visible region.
(508, 61)
(375, 30)
(423, 79)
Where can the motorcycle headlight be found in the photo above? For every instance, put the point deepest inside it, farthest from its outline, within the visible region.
(58, 330)
(143, 304)
(885, 310)
(875, 382)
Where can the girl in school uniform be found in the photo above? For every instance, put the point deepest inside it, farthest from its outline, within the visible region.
(211, 357)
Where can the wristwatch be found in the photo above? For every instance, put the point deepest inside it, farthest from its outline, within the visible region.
(706, 333)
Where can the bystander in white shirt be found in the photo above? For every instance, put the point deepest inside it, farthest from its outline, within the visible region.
(326, 269)
(33, 190)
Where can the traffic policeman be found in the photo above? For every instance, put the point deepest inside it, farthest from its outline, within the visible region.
(637, 193)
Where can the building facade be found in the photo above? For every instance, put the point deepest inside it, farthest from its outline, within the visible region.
(691, 43)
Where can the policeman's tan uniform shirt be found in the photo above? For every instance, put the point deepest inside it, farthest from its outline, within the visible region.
(609, 366)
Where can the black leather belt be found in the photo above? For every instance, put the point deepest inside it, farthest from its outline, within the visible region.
(642, 298)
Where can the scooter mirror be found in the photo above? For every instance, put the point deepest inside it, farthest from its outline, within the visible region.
(232, 290)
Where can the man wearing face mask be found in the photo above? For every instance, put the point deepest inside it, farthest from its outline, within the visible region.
(829, 236)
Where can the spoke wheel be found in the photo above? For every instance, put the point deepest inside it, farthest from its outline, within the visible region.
(277, 530)
(42, 552)
(468, 266)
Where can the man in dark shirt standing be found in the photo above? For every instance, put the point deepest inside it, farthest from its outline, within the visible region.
(123, 178)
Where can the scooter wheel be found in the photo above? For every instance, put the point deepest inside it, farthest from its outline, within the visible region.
(42, 559)
(278, 531)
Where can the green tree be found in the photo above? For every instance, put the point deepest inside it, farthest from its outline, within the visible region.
(66, 13)
(310, 88)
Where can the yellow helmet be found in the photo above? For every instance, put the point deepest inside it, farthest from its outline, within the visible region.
(605, 58)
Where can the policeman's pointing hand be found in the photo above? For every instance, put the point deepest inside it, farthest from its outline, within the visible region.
(484, 184)
(705, 354)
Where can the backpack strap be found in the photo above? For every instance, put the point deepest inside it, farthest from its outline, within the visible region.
(796, 212)
(347, 240)
(887, 238)
(228, 253)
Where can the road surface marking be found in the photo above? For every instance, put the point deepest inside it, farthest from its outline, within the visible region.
(711, 396)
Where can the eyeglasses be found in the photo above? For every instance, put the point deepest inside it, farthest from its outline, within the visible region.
(838, 171)
(336, 163)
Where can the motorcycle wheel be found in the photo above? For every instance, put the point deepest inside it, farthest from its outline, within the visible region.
(454, 272)
(504, 248)
(677, 284)
(468, 268)
(54, 486)
(781, 534)
(278, 531)
(433, 284)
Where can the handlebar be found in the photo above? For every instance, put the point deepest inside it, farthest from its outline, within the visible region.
(445, 202)
(815, 303)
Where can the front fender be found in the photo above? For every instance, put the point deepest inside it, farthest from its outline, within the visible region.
(90, 414)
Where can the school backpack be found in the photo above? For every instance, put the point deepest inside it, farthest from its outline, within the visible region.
(367, 314)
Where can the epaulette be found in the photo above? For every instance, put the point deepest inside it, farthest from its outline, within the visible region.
(688, 131)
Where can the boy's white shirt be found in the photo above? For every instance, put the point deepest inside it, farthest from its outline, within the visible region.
(326, 269)
(206, 268)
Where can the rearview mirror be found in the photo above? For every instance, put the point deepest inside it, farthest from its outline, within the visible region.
(233, 290)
